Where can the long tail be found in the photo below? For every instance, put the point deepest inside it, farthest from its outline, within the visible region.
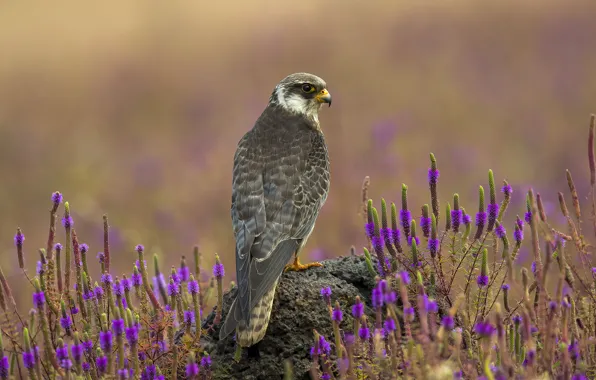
(247, 336)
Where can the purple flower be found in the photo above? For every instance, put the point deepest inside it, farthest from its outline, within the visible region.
(101, 257)
(396, 237)
(552, 306)
(409, 311)
(148, 373)
(349, 339)
(125, 283)
(206, 361)
(66, 364)
(218, 270)
(105, 340)
(174, 277)
(358, 310)
(406, 219)
(39, 299)
(390, 297)
(326, 293)
(528, 217)
(493, 212)
(193, 287)
(172, 289)
(84, 248)
(505, 287)
(192, 369)
(385, 233)
(62, 352)
(19, 238)
(88, 295)
(324, 347)
(433, 247)
(118, 289)
(516, 319)
(56, 198)
(466, 219)
(507, 190)
(4, 368)
(106, 278)
(518, 235)
(189, 317)
(480, 219)
(448, 322)
(416, 238)
(66, 322)
(74, 309)
(405, 277)
(456, 217)
(98, 290)
(132, 334)
(458, 375)
(389, 324)
(137, 279)
(425, 225)
(484, 329)
(58, 247)
(29, 359)
(88, 346)
(77, 352)
(377, 297)
(67, 222)
(500, 231)
(432, 306)
(369, 228)
(377, 243)
(433, 176)
(123, 374)
(482, 281)
(326, 376)
(183, 273)
(118, 326)
(579, 376)
(337, 314)
(364, 332)
(86, 367)
(139, 248)
(102, 364)
(39, 268)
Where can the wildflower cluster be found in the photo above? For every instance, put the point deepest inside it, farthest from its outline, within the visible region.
(113, 327)
(469, 313)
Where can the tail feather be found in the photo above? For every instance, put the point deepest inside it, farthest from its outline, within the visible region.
(257, 326)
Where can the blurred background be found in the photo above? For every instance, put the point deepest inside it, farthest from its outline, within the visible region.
(135, 108)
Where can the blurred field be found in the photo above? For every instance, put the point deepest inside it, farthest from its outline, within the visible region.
(135, 109)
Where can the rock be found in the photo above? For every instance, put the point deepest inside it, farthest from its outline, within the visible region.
(297, 310)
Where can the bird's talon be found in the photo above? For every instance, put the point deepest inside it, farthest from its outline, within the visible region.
(296, 266)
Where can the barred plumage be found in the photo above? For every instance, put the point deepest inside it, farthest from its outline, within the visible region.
(280, 182)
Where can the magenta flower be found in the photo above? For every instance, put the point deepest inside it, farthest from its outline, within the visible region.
(218, 270)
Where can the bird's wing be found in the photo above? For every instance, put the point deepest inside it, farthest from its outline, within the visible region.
(296, 181)
(248, 213)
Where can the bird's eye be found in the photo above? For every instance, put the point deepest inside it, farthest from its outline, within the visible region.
(306, 87)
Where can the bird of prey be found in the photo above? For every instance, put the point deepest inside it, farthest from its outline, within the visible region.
(280, 182)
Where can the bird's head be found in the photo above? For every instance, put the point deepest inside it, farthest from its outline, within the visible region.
(301, 93)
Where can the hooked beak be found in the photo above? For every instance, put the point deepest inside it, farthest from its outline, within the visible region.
(324, 97)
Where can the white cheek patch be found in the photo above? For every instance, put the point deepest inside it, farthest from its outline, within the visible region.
(298, 104)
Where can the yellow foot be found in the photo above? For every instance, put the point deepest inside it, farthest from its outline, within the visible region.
(296, 266)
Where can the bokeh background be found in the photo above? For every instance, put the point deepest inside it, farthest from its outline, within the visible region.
(134, 109)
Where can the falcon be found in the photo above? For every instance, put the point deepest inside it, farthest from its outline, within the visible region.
(280, 182)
